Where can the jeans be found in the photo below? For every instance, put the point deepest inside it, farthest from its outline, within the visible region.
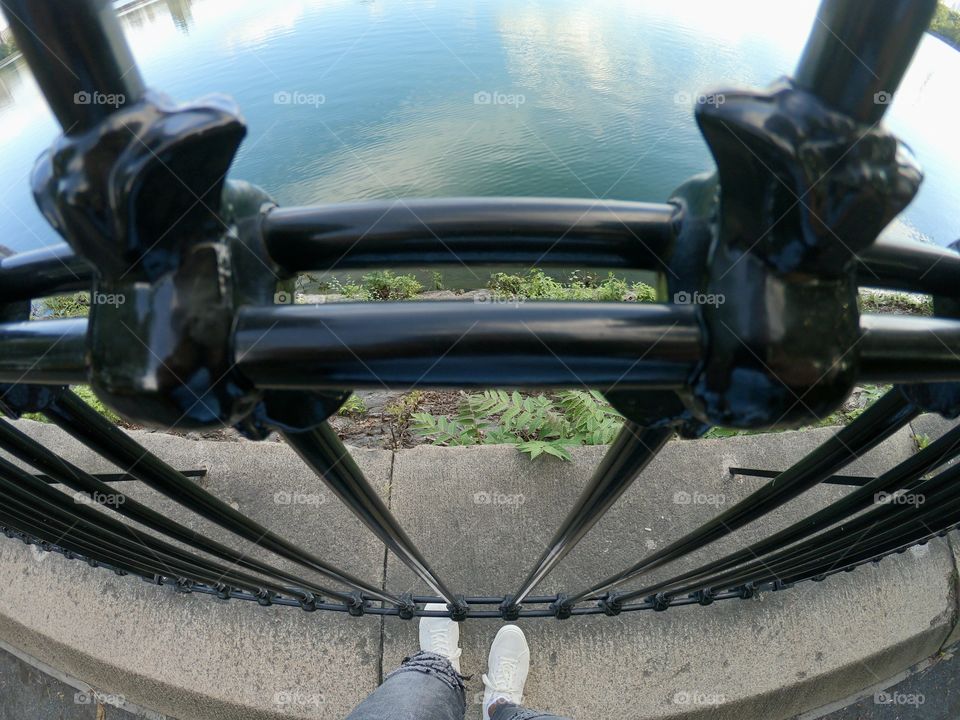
(426, 687)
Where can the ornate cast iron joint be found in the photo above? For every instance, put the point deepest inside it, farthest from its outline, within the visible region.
(802, 190)
(142, 196)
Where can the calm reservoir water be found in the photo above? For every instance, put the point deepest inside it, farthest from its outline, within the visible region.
(352, 99)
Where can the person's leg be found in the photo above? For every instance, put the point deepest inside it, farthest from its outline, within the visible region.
(428, 685)
(507, 669)
(509, 711)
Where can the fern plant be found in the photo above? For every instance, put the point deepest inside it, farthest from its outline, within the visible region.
(534, 424)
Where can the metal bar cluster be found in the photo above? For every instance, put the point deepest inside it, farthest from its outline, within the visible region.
(668, 367)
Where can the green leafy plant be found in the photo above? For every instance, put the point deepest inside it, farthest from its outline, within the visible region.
(63, 306)
(900, 303)
(946, 24)
(536, 425)
(400, 415)
(922, 440)
(353, 406)
(535, 284)
(87, 395)
(437, 278)
(381, 285)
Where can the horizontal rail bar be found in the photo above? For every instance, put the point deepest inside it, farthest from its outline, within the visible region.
(902, 349)
(461, 344)
(344, 243)
(854, 480)
(470, 231)
(45, 352)
(47, 271)
(113, 477)
(909, 266)
(449, 343)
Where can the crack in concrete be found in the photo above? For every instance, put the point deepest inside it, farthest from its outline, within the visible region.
(383, 585)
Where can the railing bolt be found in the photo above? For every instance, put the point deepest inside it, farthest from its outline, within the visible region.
(308, 603)
(459, 611)
(509, 610)
(356, 605)
(703, 596)
(407, 608)
(659, 602)
(610, 605)
(562, 609)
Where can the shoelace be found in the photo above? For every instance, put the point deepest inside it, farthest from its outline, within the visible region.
(502, 677)
(440, 642)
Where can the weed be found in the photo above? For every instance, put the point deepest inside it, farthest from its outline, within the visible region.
(536, 424)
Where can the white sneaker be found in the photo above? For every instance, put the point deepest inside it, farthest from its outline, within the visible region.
(440, 635)
(507, 668)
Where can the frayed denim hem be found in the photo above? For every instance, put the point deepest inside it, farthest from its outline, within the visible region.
(437, 665)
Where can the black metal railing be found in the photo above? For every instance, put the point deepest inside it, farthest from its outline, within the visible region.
(785, 231)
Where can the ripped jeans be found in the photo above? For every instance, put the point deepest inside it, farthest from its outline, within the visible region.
(426, 687)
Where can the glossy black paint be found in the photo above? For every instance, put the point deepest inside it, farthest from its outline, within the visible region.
(802, 189)
(903, 476)
(76, 417)
(881, 529)
(451, 343)
(70, 59)
(882, 419)
(783, 234)
(61, 471)
(469, 231)
(911, 266)
(631, 452)
(858, 51)
(906, 349)
(47, 271)
(322, 450)
(22, 493)
(48, 352)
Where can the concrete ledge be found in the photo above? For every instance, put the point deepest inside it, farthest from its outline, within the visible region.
(776, 656)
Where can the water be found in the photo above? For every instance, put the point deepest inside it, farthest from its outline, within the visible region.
(384, 97)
